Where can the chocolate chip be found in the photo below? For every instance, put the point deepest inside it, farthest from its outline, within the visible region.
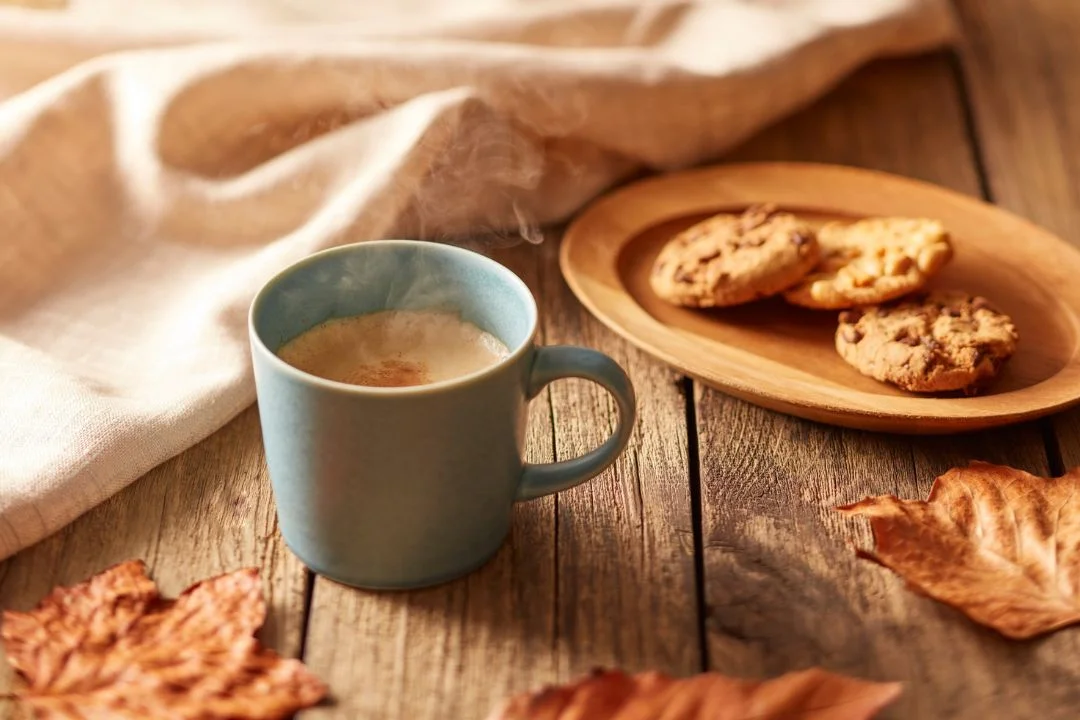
(981, 303)
(711, 256)
(683, 276)
(851, 316)
(932, 344)
(799, 239)
(851, 335)
(952, 312)
(979, 357)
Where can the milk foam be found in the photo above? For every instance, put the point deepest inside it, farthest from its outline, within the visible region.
(394, 348)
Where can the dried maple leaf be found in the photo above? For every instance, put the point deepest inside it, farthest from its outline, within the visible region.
(613, 695)
(999, 544)
(112, 647)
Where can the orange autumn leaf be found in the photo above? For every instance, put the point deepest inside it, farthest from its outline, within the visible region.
(113, 647)
(999, 544)
(813, 694)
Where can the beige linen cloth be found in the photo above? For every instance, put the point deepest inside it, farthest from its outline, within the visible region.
(160, 160)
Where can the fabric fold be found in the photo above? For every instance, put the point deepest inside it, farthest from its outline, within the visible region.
(157, 164)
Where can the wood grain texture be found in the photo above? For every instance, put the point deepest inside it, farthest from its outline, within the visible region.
(782, 585)
(602, 575)
(1020, 59)
(627, 590)
(205, 512)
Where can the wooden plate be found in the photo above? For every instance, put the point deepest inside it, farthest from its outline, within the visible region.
(782, 357)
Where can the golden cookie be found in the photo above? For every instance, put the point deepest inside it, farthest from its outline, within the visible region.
(734, 259)
(934, 342)
(872, 261)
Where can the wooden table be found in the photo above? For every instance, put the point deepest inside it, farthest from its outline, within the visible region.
(711, 543)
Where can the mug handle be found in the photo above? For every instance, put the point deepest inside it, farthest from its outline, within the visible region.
(556, 362)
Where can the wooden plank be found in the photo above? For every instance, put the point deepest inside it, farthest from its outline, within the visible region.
(1021, 61)
(783, 589)
(448, 651)
(1021, 64)
(602, 575)
(207, 511)
(627, 589)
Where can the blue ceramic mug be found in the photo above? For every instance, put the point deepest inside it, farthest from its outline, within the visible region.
(404, 487)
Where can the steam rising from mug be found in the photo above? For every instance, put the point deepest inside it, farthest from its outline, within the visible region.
(478, 189)
(475, 154)
(406, 282)
(473, 177)
(413, 282)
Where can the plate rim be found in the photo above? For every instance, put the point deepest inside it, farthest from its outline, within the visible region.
(907, 414)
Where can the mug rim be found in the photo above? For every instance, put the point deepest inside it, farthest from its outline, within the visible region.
(258, 345)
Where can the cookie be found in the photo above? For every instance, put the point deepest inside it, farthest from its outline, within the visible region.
(872, 261)
(933, 342)
(734, 259)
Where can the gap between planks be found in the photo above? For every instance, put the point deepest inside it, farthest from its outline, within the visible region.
(694, 466)
(601, 575)
(1054, 459)
(782, 591)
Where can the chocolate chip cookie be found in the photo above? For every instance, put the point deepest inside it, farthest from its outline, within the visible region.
(872, 261)
(734, 259)
(934, 342)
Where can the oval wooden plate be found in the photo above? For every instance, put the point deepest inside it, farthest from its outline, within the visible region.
(782, 357)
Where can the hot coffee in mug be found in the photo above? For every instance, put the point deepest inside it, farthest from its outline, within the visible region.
(393, 379)
(394, 348)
